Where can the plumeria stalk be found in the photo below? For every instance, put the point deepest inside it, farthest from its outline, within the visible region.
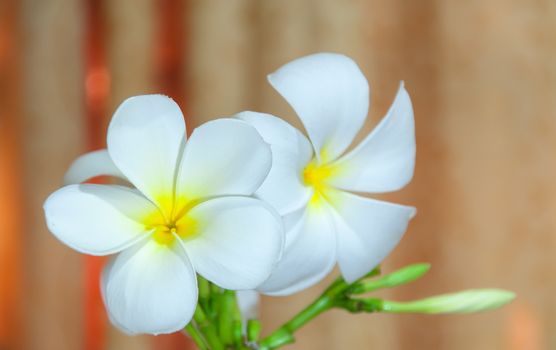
(199, 226)
(347, 296)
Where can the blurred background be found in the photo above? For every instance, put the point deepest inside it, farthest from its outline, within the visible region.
(482, 76)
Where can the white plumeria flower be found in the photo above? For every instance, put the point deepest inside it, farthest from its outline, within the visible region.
(310, 178)
(188, 213)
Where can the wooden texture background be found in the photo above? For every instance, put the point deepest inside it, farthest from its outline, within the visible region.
(482, 76)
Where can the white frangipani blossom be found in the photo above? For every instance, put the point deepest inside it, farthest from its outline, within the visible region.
(189, 212)
(311, 179)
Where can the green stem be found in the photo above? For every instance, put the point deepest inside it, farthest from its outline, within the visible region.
(204, 292)
(361, 305)
(215, 301)
(332, 296)
(253, 330)
(285, 334)
(226, 317)
(208, 329)
(238, 335)
(196, 336)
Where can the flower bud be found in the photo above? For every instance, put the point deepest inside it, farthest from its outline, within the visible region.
(402, 276)
(469, 301)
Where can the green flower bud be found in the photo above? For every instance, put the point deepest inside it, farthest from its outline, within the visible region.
(402, 276)
(457, 303)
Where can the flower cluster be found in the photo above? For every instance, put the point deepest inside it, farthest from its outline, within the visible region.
(245, 203)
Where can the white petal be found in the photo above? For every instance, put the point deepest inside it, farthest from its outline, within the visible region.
(237, 241)
(368, 230)
(103, 283)
(223, 157)
(150, 288)
(97, 219)
(291, 151)
(309, 255)
(331, 97)
(248, 302)
(144, 140)
(89, 165)
(384, 161)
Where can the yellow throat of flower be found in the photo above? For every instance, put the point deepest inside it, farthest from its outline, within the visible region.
(179, 223)
(315, 175)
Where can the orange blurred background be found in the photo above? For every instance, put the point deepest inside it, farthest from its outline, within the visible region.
(482, 75)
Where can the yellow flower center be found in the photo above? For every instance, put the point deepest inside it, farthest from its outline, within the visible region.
(178, 224)
(315, 175)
